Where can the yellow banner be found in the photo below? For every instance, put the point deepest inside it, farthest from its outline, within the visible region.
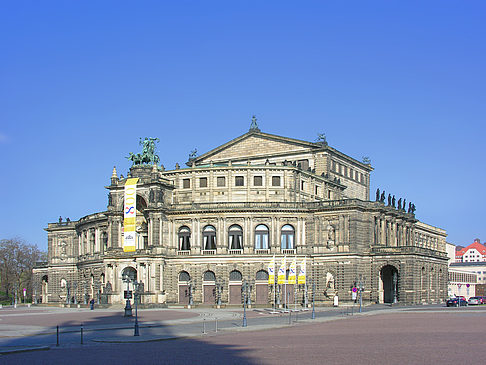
(292, 271)
(301, 279)
(271, 271)
(282, 272)
(130, 215)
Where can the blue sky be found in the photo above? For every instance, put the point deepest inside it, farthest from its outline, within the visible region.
(401, 82)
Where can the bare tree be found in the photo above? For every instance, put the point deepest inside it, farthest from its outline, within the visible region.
(17, 260)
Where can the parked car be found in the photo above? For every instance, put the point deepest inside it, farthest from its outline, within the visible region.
(456, 302)
(474, 301)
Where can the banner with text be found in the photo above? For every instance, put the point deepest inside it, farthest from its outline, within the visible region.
(130, 215)
(301, 278)
(271, 272)
(282, 272)
(292, 271)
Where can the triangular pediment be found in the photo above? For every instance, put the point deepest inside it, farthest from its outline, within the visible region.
(255, 145)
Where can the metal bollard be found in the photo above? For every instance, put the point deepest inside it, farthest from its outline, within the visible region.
(57, 337)
(81, 333)
(290, 317)
(216, 326)
(204, 326)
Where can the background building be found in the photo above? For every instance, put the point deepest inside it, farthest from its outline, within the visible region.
(205, 231)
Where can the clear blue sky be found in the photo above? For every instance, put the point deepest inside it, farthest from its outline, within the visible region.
(402, 82)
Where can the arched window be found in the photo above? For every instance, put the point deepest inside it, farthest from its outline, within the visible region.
(209, 276)
(235, 275)
(235, 237)
(209, 238)
(261, 237)
(287, 237)
(261, 275)
(184, 276)
(129, 273)
(184, 238)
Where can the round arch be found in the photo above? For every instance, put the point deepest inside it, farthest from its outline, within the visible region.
(389, 279)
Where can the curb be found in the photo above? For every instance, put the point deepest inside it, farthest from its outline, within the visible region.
(6, 351)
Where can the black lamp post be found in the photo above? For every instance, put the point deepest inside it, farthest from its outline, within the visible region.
(219, 290)
(245, 290)
(75, 286)
(85, 292)
(68, 292)
(191, 299)
(313, 298)
(395, 281)
(360, 290)
(136, 286)
(128, 306)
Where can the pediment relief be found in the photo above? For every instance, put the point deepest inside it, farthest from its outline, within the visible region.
(254, 146)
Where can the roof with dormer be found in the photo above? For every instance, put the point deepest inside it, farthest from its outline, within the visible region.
(475, 245)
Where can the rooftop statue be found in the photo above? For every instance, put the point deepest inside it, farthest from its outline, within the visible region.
(321, 139)
(148, 155)
(254, 125)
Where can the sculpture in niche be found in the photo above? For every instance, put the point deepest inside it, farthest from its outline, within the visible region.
(330, 236)
(151, 196)
(160, 196)
(330, 290)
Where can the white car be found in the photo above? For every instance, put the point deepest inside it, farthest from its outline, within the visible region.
(474, 301)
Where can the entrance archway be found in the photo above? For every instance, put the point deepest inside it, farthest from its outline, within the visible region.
(184, 287)
(389, 283)
(209, 288)
(261, 286)
(235, 279)
(129, 273)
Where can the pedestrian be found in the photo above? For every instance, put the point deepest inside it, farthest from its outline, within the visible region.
(91, 304)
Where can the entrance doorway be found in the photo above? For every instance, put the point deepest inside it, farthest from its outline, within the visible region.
(209, 288)
(184, 287)
(235, 279)
(389, 283)
(261, 286)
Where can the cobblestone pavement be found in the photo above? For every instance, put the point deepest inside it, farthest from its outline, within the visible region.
(419, 335)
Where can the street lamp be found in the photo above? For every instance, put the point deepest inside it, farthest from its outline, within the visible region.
(68, 292)
(136, 285)
(85, 292)
(190, 289)
(360, 291)
(128, 306)
(313, 299)
(244, 289)
(75, 286)
(219, 290)
(395, 281)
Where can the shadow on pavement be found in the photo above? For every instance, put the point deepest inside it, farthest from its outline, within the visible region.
(164, 348)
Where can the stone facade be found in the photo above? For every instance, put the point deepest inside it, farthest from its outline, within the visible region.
(205, 230)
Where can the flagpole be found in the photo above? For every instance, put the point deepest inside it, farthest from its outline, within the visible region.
(274, 286)
(295, 285)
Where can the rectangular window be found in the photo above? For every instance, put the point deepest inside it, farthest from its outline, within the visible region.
(258, 181)
(203, 182)
(275, 180)
(186, 183)
(221, 181)
(239, 181)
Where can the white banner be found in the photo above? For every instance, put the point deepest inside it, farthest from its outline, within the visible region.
(130, 216)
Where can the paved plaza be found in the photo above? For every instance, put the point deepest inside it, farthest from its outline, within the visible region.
(380, 334)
